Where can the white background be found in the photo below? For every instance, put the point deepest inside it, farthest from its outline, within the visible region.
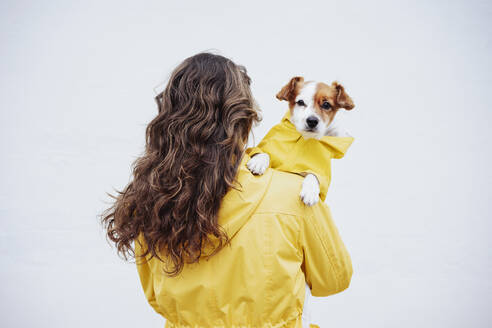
(411, 198)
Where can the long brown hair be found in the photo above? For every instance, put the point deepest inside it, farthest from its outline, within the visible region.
(193, 149)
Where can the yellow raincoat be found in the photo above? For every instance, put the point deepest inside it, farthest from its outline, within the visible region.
(277, 245)
(290, 152)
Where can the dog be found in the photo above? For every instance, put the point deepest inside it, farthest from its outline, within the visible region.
(313, 108)
(312, 114)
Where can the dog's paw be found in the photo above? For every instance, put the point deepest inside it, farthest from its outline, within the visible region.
(310, 190)
(258, 163)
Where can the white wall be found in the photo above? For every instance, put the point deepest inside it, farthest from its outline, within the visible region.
(411, 198)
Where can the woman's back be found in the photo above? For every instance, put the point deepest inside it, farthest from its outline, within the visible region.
(214, 244)
(277, 244)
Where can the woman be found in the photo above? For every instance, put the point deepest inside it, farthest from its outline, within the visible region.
(214, 244)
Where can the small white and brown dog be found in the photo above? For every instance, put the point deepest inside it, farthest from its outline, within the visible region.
(313, 107)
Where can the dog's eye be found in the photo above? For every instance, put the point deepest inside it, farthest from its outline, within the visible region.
(300, 102)
(326, 105)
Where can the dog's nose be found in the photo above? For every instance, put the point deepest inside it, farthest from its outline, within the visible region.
(312, 121)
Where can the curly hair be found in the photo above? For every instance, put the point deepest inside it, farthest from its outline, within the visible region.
(193, 149)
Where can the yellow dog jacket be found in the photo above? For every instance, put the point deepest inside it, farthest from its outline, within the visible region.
(290, 152)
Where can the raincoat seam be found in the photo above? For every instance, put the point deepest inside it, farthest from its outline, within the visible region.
(300, 252)
(152, 299)
(269, 276)
(337, 279)
(278, 324)
(279, 212)
(260, 201)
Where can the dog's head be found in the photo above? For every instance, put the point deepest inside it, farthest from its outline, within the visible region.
(313, 105)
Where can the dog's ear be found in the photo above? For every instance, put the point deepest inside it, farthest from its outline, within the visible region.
(288, 91)
(343, 99)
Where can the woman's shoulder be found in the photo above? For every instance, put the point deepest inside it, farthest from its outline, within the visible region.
(274, 191)
(282, 195)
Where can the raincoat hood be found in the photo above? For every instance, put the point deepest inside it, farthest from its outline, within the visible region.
(238, 205)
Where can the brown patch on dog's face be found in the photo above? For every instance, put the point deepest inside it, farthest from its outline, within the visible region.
(328, 99)
(290, 91)
(325, 104)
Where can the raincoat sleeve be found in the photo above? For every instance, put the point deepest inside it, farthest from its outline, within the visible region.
(145, 275)
(327, 264)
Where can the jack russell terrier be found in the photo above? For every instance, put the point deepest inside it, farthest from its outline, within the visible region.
(307, 138)
(305, 141)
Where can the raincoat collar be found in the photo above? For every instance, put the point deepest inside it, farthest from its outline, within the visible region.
(339, 145)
